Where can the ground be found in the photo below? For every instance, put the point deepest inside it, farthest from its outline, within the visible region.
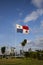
(21, 61)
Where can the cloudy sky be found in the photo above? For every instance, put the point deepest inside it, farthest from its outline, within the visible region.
(23, 12)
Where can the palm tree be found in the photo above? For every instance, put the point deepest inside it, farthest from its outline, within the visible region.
(3, 50)
(23, 44)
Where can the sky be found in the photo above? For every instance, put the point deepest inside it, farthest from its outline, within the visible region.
(22, 12)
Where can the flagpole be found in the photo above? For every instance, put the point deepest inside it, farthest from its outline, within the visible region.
(15, 40)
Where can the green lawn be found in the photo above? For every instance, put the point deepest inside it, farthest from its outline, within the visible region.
(22, 61)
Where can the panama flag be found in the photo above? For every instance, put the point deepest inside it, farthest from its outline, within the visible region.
(22, 29)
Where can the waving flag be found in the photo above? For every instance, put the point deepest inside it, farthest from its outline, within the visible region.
(22, 29)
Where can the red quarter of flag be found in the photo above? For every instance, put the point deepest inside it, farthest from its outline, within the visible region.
(25, 27)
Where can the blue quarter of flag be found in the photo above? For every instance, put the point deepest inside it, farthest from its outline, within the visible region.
(20, 30)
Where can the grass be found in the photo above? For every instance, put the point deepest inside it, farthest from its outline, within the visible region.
(22, 61)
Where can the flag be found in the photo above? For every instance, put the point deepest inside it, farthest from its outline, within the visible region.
(22, 29)
(19, 28)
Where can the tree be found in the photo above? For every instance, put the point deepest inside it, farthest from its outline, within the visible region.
(23, 43)
(3, 50)
(26, 54)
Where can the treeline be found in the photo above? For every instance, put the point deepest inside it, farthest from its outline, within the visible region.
(38, 54)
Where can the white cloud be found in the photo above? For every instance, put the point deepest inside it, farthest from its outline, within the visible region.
(39, 42)
(28, 41)
(35, 30)
(37, 3)
(38, 30)
(20, 14)
(42, 24)
(36, 43)
(34, 15)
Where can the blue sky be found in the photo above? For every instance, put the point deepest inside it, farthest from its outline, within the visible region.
(23, 12)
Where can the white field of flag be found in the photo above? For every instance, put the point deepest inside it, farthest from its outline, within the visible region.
(25, 31)
(18, 26)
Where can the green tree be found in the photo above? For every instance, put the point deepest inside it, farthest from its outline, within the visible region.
(26, 54)
(3, 50)
(23, 43)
